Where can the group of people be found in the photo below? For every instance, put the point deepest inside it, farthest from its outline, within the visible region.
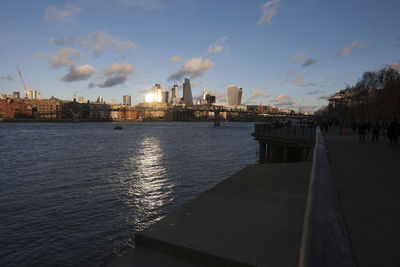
(363, 128)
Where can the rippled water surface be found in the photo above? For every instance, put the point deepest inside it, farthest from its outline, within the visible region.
(76, 193)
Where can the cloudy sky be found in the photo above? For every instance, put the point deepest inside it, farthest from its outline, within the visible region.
(287, 53)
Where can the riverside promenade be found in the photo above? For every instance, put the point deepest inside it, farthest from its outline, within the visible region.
(367, 177)
(253, 218)
(257, 216)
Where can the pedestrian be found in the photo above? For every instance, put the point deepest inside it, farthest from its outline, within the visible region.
(375, 133)
(354, 126)
(361, 132)
(392, 132)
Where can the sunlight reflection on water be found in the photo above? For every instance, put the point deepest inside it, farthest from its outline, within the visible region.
(75, 194)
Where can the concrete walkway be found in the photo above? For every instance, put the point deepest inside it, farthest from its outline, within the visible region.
(253, 218)
(367, 177)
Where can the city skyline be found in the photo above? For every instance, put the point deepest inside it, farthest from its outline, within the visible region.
(283, 53)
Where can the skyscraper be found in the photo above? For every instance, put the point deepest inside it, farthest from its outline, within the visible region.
(157, 93)
(187, 93)
(164, 96)
(174, 95)
(234, 94)
(126, 101)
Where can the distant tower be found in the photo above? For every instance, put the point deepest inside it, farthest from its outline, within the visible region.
(74, 97)
(100, 99)
(126, 100)
(16, 95)
(187, 93)
(157, 93)
(174, 94)
(234, 94)
(164, 96)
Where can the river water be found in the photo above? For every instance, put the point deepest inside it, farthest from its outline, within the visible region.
(76, 193)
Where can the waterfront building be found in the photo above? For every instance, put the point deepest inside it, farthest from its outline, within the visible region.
(5, 96)
(10, 109)
(126, 101)
(234, 94)
(128, 113)
(187, 93)
(115, 112)
(46, 108)
(99, 112)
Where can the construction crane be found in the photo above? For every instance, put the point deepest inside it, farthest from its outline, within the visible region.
(26, 90)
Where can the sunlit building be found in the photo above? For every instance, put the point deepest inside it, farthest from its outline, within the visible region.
(126, 101)
(187, 93)
(234, 94)
(174, 95)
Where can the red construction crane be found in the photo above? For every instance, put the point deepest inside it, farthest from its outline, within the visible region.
(26, 90)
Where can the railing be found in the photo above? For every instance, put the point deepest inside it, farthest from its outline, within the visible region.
(325, 240)
(269, 130)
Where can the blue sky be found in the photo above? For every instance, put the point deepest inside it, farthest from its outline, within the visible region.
(282, 52)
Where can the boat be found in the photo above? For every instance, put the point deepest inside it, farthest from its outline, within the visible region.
(118, 128)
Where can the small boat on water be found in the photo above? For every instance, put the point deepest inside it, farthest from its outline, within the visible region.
(118, 128)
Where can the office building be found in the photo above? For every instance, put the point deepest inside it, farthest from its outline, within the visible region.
(234, 94)
(126, 100)
(164, 96)
(187, 93)
(174, 95)
(15, 95)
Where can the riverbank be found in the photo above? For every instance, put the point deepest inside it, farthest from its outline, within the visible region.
(255, 217)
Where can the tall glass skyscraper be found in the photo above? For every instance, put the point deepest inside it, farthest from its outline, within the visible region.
(187, 93)
(234, 94)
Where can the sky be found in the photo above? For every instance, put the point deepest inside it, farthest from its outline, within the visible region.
(286, 53)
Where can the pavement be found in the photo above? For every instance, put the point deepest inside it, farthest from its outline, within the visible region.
(253, 218)
(367, 177)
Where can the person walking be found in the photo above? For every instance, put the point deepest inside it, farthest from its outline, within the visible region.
(361, 132)
(375, 133)
(392, 132)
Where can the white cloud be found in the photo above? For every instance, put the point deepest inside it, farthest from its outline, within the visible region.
(269, 9)
(283, 100)
(299, 56)
(175, 59)
(116, 68)
(62, 58)
(316, 92)
(299, 81)
(98, 41)
(218, 46)
(194, 68)
(325, 97)
(79, 73)
(115, 74)
(258, 93)
(66, 14)
(348, 48)
(113, 80)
